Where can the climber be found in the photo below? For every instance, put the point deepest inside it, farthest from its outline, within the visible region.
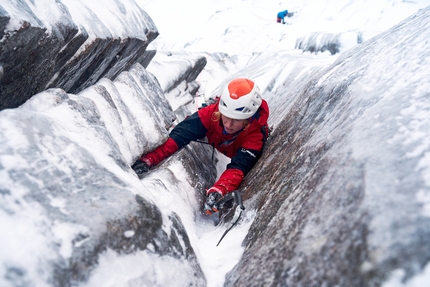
(235, 125)
(281, 15)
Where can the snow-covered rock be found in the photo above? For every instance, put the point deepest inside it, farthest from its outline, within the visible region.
(68, 44)
(69, 198)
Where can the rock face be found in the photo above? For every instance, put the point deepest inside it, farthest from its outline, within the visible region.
(84, 186)
(67, 176)
(188, 65)
(62, 53)
(91, 83)
(319, 42)
(341, 188)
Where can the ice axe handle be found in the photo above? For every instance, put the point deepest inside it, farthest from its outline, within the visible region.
(238, 213)
(238, 199)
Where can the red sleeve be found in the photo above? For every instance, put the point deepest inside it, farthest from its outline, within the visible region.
(228, 181)
(160, 153)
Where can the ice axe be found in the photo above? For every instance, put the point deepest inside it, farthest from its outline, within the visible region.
(237, 213)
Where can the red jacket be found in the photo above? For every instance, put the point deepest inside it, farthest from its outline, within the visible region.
(244, 148)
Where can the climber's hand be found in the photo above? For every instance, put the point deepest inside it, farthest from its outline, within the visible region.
(211, 204)
(140, 167)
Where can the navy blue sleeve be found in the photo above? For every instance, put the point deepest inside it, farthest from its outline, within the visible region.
(245, 159)
(188, 130)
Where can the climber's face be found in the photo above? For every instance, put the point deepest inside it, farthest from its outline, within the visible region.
(231, 125)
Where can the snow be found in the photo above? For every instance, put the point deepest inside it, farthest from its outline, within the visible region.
(240, 27)
(115, 270)
(243, 28)
(397, 279)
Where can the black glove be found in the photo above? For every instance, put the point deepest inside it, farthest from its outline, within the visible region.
(212, 203)
(140, 167)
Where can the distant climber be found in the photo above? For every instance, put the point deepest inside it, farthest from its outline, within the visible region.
(281, 15)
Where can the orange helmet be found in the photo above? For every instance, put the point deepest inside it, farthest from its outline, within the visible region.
(240, 99)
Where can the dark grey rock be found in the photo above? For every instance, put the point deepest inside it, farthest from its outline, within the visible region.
(319, 42)
(32, 60)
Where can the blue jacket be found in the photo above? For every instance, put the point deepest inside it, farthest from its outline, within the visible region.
(282, 14)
